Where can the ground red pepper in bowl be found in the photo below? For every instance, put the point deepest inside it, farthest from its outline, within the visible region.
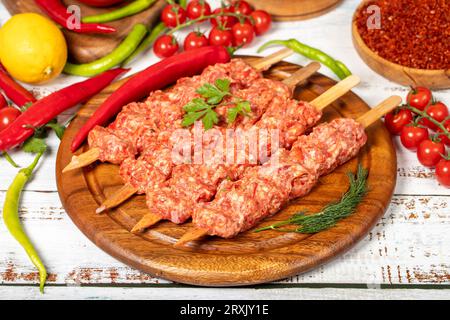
(413, 33)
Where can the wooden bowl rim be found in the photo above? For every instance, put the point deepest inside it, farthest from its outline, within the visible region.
(360, 41)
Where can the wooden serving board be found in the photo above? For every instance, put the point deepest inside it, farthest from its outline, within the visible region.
(250, 258)
(89, 47)
(295, 9)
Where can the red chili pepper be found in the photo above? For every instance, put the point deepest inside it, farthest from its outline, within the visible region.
(46, 109)
(58, 12)
(14, 91)
(101, 3)
(157, 76)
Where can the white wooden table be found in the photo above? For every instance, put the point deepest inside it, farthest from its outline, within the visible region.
(405, 256)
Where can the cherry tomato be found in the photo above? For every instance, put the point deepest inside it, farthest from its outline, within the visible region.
(3, 102)
(443, 172)
(7, 116)
(412, 136)
(397, 119)
(438, 111)
(220, 37)
(241, 7)
(165, 46)
(195, 40)
(262, 21)
(443, 137)
(243, 34)
(173, 15)
(224, 21)
(198, 8)
(430, 152)
(419, 98)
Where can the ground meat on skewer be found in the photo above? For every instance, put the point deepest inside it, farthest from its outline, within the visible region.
(164, 109)
(239, 205)
(269, 91)
(113, 149)
(200, 183)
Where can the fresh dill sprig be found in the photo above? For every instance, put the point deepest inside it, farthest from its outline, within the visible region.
(332, 213)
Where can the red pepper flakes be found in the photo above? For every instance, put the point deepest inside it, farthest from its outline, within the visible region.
(414, 33)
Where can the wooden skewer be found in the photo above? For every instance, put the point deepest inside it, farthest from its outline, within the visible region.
(261, 64)
(366, 120)
(320, 103)
(127, 191)
(83, 159)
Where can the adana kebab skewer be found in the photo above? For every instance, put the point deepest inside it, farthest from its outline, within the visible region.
(93, 154)
(243, 204)
(128, 190)
(319, 104)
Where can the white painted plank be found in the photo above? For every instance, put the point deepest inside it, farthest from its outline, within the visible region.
(408, 246)
(190, 293)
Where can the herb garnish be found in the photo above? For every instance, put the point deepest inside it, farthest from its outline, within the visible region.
(332, 213)
(213, 95)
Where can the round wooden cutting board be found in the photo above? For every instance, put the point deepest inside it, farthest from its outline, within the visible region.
(250, 258)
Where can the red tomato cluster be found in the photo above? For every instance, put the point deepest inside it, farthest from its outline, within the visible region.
(227, 30)
(413, 124)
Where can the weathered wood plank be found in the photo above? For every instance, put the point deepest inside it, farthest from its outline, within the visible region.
(408, 246)
(189, 293)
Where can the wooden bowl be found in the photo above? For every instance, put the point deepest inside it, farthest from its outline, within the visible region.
(288, 10)
(433, 79)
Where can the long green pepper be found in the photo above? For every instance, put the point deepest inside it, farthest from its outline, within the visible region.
(12, 221)
(146, 43)
(117, 56)
(125, 11)
(312, 53)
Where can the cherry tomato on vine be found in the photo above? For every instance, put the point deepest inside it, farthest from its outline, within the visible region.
(442, 136)
(243, 34)
(220, 37)
(396, 120)
(224, 21)
(173, 15)
(443, 172)
(430, 152)
(438, 111)
(198, 8)
(419, 98)
(262, 21)
(241, 7)
(3, 102)
(7, 116)
(412, 135)
(165, 46)
(194, 40)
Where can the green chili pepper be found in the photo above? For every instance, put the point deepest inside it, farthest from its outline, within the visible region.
(125, 11)
(12, 221)
(146, 43)
(312, 53)
(117, 56)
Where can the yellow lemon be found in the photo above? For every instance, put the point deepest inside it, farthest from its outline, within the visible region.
(32, 48)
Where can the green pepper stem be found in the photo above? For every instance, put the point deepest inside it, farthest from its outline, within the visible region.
(10, 160)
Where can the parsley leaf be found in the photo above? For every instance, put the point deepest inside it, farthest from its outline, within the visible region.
(34, 145)
(58, 128)
(197, 109)
(242, 107)
(214, 93)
